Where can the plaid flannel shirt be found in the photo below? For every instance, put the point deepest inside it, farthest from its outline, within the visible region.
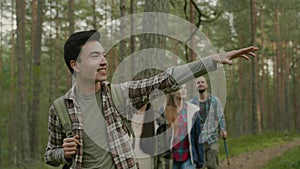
(215, 120)
(165, 139)
(135, 93)
(180, 149)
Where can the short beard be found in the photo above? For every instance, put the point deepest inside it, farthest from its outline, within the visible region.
(201, 91)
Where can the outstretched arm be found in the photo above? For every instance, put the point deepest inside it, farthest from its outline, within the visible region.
(137, 92)
(186, 72)
(227, 57)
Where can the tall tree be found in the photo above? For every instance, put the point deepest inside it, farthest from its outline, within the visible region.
(94, 22)
(71, 30)
(1, 39)
(132, 28)
(1, 64)
(277, 92)
(154, 40)
(150, 40)
(122, 27)
(263, 80)
(12, 134)
(21, 117)
(71, 16)
(254, 71)
(34, 113)
(295, 68)
(57, 46)
(132, 31)
(192, 54)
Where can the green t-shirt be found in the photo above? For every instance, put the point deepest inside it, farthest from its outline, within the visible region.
(95, 143)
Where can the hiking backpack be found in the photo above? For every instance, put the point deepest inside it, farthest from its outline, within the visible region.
(62, 112)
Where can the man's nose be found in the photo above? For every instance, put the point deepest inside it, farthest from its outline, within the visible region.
(103, 61)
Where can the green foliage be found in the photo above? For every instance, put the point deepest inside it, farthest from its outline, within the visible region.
(247, 143)
(35, 165)
(288, 160)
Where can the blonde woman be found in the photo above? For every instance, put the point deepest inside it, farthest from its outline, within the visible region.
(179, 116)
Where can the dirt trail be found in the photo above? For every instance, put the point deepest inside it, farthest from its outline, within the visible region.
(257, 159)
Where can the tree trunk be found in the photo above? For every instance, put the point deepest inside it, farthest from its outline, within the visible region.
(1, 85)
(132, 28)
(11, 127)
(57, 47)
(94, 23)
(296, 92)
(21, 117)
(278, 90)
(31, 111)
(150, 40)
(1, 43)
(132, 32)
(154, 40)
(286, 83)
(192, 53)
(35, 111)
(51, 57)
(71, 30)
(255, 114)
(123, 42)
(275, 94)
(296, 88)
(265, 75)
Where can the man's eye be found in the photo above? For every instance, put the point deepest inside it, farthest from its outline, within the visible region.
(95, 55)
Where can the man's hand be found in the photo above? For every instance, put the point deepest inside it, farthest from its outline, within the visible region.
(223, 134)
(70, 146)
(227, 57)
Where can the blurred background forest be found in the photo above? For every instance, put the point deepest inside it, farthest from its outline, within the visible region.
(33, 72)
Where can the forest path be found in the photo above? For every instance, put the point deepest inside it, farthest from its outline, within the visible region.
(259, 158)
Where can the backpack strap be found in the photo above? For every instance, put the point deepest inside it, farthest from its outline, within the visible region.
(62, 112)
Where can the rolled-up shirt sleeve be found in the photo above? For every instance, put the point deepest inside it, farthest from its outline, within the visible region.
(138, 93)
(54, 154)
(187, 72)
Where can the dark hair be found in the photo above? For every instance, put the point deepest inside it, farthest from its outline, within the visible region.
(73, 45)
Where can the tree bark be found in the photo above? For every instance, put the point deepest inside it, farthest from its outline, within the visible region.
(296, 88)
(122, 48)
(1, 85)
(132, 28)
(255, 112)
(57, 47)
(278, 89)
(21, 118)
(71, 30)
(35, 111)
(153, 40)
(285, 78)
(94, 23)
(264, 75)
(132, 32)
(192, 53)
(11, 129)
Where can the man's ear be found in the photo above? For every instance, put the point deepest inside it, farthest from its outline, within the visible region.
(74, 65)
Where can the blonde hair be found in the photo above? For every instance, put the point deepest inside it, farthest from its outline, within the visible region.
(171, 110)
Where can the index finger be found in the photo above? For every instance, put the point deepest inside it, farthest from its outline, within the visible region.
(72, 139)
